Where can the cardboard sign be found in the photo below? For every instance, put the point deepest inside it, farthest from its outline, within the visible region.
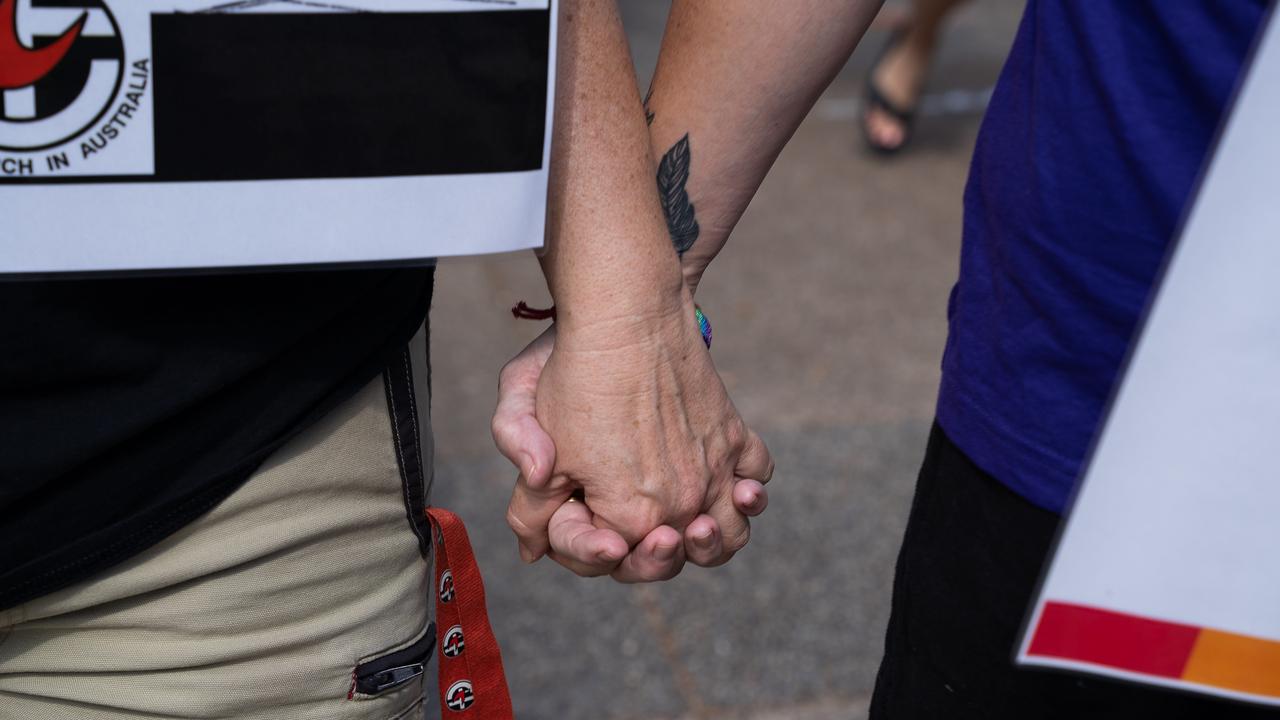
(1168, 567)
(162, 134)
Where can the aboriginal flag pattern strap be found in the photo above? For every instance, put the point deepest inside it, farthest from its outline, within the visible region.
(472, 681)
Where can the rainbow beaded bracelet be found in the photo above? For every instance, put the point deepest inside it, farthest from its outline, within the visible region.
(704, 325)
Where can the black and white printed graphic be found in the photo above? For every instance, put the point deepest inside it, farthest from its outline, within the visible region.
(459, 696)
(453, 644)
(61, 67)
(446, 586)
(111, 110)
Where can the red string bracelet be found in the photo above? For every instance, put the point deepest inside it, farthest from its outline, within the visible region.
(523, 312)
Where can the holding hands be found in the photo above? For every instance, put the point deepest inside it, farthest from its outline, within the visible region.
(645, 431)
(632, 458)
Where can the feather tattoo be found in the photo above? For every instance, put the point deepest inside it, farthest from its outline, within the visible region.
(673, 175)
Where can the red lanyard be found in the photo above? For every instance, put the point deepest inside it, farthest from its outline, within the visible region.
(472, 682)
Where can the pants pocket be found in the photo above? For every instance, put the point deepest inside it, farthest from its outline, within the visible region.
(396, 669)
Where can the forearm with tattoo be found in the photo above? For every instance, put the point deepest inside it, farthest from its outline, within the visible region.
(735, 79)
(673, 177)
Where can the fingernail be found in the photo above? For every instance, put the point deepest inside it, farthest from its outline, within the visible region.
(664, 552)
(703, 539)
(754, 501)
(528, 466)
(607, 556)
(527, 555)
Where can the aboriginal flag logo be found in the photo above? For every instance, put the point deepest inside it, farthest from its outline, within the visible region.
(61, 66)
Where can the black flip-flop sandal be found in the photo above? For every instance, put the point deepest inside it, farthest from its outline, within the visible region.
(873, 98)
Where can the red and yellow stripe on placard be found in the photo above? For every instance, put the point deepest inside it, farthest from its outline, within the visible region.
(1161, 649)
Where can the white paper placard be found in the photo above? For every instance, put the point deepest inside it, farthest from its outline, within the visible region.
(1167, 570)
(179, 134)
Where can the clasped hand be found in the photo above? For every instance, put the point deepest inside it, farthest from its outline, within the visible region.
(630, 417)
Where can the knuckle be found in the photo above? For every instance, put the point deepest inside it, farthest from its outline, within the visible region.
(736, 538)
(702, 558)
(517, 525)
(652, 516)
(687, 507)
(507, 375)
(718, 468)
(559, 484)
(640, 521)
(582, 570)
(498, 428)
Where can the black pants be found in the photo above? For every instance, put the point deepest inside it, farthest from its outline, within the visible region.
(968, 567)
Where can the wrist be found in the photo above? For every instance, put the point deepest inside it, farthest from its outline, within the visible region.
(633, 285)
(692, 275)
(695, 261)
(665, 318)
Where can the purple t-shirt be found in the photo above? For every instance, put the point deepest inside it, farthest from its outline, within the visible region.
(1102, 118)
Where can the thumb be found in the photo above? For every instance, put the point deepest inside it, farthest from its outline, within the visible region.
(530, 511)
(515, 426)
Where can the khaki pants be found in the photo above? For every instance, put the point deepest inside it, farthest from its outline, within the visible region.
(305, 594)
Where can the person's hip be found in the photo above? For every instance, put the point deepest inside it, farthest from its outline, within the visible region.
(305, 594)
